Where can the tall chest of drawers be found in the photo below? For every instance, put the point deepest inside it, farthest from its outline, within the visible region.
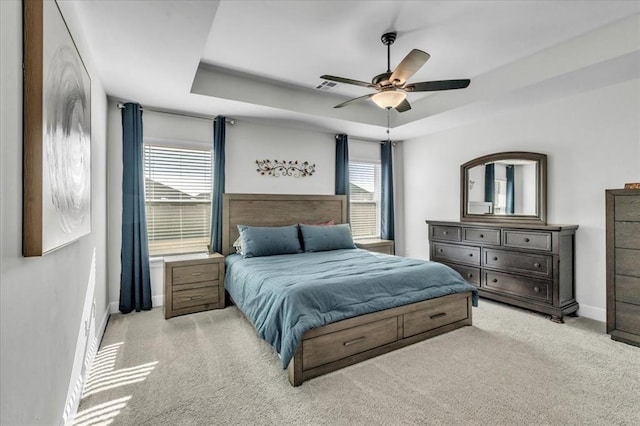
(623, 265)
(193, 283)
(530, 266)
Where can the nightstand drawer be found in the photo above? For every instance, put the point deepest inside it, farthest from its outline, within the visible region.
(195, 297)
(195, 273)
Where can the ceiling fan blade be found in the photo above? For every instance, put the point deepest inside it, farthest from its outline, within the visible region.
(408, 67)
(354, 100)
(433, 86)
(403, 106)
(346, 80)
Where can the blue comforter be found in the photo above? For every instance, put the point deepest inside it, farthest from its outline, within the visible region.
(286, 295)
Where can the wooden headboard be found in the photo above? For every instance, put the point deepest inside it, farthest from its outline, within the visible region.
(277, 210)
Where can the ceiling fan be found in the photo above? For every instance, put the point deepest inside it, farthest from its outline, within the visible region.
(391, 87)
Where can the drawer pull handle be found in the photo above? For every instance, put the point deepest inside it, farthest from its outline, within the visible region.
(196, 297)
(469, 275)
(536, 289)
(445, 233)
(440, 250)
(495, 258)
(196, 274)
(354, 341)
(440, 315)
(495, 280)
(537, 265)
(470, 254)
(526, 240)
(481, 235)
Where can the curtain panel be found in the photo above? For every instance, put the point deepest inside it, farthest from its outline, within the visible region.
(135, 283)
(510, 189)
(387, 229)
(342, 169)
(489, 182)
(219, 134)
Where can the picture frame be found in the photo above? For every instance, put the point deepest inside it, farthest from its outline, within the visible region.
(56, 133)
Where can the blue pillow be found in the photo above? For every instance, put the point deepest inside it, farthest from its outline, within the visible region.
(269, 241)
(322, 238)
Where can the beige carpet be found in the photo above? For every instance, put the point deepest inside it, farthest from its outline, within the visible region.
(513, 367)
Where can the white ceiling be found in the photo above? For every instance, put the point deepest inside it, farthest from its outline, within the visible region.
(263, 59)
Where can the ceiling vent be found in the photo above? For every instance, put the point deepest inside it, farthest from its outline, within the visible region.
(326, 85)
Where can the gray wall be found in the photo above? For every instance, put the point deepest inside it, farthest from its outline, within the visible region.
(42, 299)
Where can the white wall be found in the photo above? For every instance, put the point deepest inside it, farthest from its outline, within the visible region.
(45, 301)
(593, 143)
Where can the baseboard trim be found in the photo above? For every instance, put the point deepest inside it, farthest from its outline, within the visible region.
(598, 314)
(156, 301)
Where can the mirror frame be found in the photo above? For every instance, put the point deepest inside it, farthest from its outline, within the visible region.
(541, 199)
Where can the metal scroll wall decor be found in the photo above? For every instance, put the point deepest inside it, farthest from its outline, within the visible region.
(285, 168)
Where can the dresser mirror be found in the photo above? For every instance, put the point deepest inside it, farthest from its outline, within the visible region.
(504, 187)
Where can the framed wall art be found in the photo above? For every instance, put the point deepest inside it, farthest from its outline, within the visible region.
(56, 133)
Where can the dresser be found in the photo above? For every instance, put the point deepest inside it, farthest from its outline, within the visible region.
(377, 245)
(623, 264)
(193, 283)
(530, 266)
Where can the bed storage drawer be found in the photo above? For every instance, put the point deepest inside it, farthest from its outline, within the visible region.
(341, 344)
(462, 254)
(434, 315)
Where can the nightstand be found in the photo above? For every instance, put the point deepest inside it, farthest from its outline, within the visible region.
(377, 245)
(193, 283)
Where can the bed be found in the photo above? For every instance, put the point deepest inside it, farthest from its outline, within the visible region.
(316, 333)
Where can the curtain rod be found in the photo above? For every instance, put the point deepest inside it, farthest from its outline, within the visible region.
(230, 121)
(371, 140)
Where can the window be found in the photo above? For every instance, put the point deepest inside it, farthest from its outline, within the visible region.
(364, 192)
(177, 198)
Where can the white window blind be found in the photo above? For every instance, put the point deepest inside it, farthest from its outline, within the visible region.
(364, 192)
(177, 198)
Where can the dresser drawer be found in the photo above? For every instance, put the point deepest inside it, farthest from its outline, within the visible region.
(627, 235)
(446, 233)
(627, 262)
(627, 289)
(628, 317)
(527, 239)
(518, 286)
(195, 297)
(627, 208)
(434, 316)
(195, 273)
(535, 264)
(463, 254)
(485, 236)
(469, 273)
(341, 344)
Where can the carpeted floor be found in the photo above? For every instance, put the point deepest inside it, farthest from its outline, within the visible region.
(512, 367)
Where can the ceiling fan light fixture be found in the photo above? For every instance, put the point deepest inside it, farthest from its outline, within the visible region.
(389, 98)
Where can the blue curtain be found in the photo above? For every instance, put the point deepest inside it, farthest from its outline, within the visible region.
(219, 127)
(342, 168)
(510, 189)
(489, 182)
(135, 284)
(387, 231)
